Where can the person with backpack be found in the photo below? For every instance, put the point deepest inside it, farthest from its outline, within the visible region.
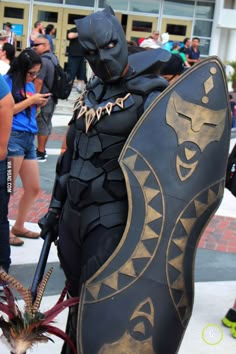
(44, 84)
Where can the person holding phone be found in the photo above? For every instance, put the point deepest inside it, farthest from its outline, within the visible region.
(21, 148)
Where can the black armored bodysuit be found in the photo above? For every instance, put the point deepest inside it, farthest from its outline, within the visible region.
(146, 286)
(94, 214)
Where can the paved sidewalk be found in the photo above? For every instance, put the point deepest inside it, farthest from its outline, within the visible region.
(220, 234)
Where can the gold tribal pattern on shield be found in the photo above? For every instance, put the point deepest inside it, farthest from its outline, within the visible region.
(195, 124)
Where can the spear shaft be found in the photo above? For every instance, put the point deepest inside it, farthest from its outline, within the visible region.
(39, 272)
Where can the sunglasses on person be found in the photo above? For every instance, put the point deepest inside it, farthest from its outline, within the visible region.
(37, 44)
(33, 74)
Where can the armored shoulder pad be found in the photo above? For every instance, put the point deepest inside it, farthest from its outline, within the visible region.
(148, 60)
(144, 84)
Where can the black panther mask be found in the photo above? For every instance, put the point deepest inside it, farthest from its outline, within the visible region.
(104, 44)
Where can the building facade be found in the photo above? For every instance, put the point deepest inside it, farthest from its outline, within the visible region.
(213, 21)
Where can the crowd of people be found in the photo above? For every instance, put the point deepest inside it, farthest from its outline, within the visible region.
(188, 49)
(88, 209)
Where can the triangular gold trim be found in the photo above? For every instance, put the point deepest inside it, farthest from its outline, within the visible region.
(94, 289)
(139, 328)
(128, 269)
(142, 176)
(112, 281)
(178, 283)
(152, 214)
(189, 153)
(177, 262)
(149, 233)
(211, 197)
(130, 161)
(150, 193)
(221, 190)
(183, 302)
(187, 314)
(200, 207)
(181, 242)
(141, 252)
(188, 224)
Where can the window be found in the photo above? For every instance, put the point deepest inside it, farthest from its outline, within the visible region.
(141, 26)
(115, 4)
(13, 12)
(204, 46)
(88, 3)
(178, 8)
(73, 17)
(48, 16)
(53, 1)
(151, 6)
(228, 4)
(202, 28)
(178, 30)
(124, 20)
(205, 10)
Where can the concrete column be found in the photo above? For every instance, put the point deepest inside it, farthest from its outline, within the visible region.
(216, 31)
(231, 48)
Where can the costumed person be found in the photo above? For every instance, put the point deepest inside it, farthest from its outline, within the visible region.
(229, 319)
(123, 208)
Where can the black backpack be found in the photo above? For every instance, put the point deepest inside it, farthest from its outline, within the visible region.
(230, 182)
(62, 85)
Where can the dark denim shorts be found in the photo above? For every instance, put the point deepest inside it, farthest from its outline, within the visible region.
(22, 144)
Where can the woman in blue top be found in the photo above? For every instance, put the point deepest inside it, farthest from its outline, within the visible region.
(21, 149)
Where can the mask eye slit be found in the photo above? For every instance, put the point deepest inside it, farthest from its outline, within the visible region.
(110, 45)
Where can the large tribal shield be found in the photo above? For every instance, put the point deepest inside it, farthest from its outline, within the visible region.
(174, 164)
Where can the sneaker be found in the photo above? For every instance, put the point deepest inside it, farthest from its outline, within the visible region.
(233, 331)
(230, 318)
(41, 156)
(45, 152)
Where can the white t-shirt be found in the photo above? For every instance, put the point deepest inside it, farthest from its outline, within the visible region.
(149, 43)
(11, 38)
(4, 67)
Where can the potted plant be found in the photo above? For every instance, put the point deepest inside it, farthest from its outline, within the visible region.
(233, 75)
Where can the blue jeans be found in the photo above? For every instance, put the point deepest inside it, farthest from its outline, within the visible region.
(5, 259)
(22, 144)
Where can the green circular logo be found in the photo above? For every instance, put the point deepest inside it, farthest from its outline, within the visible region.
(212, 334)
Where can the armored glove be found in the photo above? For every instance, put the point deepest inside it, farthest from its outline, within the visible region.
(49, 223)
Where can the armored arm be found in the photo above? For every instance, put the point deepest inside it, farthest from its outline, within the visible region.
(49, 222)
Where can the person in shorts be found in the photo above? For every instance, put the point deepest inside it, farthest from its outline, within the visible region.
(21, 148)
(6, 113)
